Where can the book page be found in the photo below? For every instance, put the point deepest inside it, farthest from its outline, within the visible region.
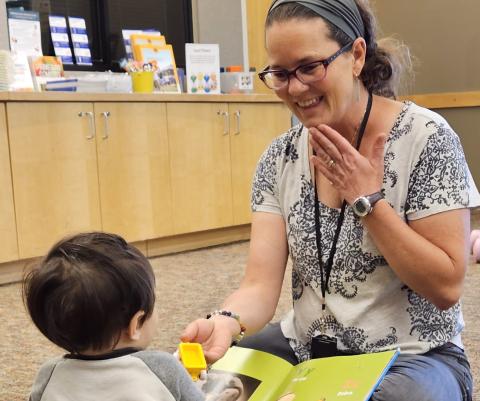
(245, 374)
(352, 378)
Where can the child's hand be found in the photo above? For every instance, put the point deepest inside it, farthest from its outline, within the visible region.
(475, 244)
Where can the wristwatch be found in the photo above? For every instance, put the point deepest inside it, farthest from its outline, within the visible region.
(363, 205)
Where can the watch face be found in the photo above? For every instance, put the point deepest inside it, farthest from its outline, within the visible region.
(361, 207)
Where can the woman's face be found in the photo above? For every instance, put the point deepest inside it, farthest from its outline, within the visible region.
(300, 41)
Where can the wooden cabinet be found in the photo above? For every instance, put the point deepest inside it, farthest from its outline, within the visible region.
(142, 167)
(133, 169)
(200, 166)
(84, 166)
(54, 171)
(8, 233)
(214, 150)
(253, 127)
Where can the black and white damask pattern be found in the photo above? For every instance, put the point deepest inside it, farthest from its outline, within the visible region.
(436, 177)
(280, 151)
(399, 129)
(431, 325)
(440, 176)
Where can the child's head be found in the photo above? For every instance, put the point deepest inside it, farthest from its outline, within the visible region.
(90, 291)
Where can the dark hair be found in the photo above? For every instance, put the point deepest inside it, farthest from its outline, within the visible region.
(86, 290)
(386, 61)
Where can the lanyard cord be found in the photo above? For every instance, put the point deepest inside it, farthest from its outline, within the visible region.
(318, 234)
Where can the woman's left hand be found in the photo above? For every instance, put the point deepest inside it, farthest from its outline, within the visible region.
(351, 173)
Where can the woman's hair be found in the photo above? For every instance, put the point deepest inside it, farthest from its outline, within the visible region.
(386, 60)
(86, 290)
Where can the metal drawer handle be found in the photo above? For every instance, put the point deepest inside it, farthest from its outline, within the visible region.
(226, 121)
(105, 115)
(89, 114)
(237, 120)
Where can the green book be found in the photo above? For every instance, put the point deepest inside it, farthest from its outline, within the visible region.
(249, 375)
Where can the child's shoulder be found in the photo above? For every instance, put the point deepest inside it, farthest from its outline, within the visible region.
(43, 376)
(155, 355)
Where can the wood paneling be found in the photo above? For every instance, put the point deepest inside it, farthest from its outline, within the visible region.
(256, 13)
(8, 232)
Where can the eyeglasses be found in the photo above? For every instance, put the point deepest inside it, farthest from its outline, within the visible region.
(306, 73)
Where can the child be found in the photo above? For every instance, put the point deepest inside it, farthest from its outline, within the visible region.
(94, 295)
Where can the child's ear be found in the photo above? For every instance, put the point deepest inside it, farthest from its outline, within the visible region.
(135, 325)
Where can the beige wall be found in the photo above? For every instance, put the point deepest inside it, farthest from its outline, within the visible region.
(220, 21)
(444, 35)
(3, 26)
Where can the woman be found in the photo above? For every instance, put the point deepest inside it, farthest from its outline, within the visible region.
(379, 188)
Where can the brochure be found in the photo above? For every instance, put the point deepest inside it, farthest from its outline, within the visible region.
(203, 68)
(22, 78)
(249, 375)
(78, 32)
(24, 32)
(60, 40)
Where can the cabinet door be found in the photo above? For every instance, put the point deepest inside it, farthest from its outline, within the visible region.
(8, 234)
(133, 165)
(200, 166)
(253, 127)
(54, 170)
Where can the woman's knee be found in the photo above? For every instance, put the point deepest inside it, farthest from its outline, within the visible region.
(419, 378)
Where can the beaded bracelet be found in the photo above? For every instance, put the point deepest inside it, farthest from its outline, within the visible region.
(235, 316)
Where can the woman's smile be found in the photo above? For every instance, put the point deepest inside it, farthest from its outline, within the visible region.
(309, 103)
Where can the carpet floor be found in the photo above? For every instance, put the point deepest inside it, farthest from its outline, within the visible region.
(189, 285)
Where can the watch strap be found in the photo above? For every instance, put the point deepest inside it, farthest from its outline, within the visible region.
(374, 198)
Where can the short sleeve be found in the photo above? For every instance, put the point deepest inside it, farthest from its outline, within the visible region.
(440, 179)
(172, 374)
(265, 188)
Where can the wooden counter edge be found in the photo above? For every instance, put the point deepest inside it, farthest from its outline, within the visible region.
(429, 100)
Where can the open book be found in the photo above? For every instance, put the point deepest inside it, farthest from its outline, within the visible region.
(245, 374)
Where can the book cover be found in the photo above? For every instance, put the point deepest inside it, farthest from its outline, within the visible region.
(126, 35)
(250, 375)
(145, 39)
(162, 61)
(203, 68)
(44, 69)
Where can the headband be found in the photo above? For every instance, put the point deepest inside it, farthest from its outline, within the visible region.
(343, 14)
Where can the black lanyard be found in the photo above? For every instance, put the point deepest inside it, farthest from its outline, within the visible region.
(318, 234)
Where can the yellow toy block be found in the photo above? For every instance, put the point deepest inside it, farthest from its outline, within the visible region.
(191, 356)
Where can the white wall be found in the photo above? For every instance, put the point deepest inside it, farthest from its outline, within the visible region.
(3, 26)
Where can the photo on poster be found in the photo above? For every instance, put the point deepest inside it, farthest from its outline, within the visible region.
(228, 386)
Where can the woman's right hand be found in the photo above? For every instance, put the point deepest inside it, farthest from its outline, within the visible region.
(214, 334)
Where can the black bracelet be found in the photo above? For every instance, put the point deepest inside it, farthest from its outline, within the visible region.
(235, 316)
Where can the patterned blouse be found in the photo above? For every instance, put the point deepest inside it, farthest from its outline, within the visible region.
(368, 309)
